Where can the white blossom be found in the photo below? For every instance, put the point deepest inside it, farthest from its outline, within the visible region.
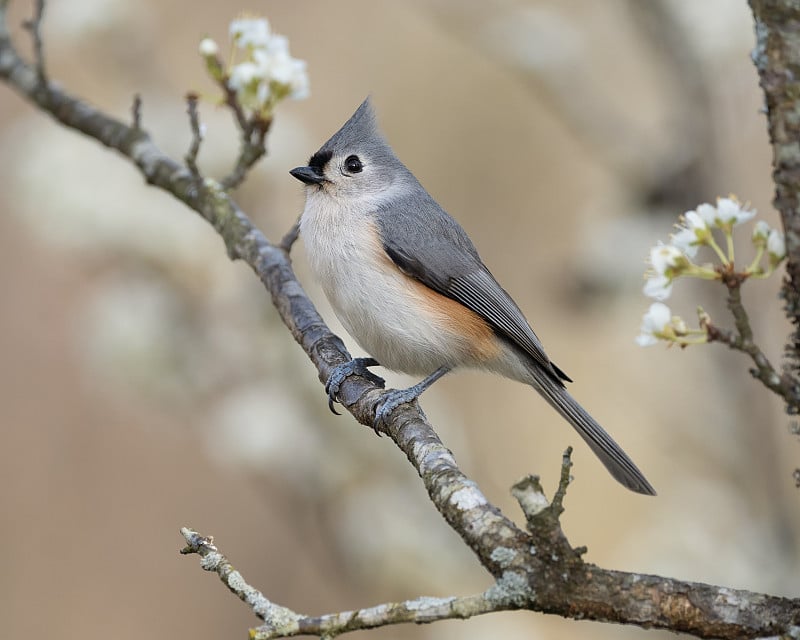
(728, 212)
(760, 232)
(776, 246)
(671, 261)
(299, 86)
(654, 322)
(708, 212)
(277, 45)
(666, 261)
(685, 241)
(268, 73)
(208, 48)
(282, 68)
(694, 221)
(243, 74)
(277, 65)
(691, 235)
(250, 32)
(665, 256)
(658, 287)
(731, 212)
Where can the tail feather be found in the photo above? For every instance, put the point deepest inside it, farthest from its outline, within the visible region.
(609, 452)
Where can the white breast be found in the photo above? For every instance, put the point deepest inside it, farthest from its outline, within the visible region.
(378, 305)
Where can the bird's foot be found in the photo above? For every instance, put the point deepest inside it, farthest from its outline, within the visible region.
(390, 400)
(356, 367)
(393, 398)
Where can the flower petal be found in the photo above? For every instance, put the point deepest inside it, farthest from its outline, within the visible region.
(658, 287)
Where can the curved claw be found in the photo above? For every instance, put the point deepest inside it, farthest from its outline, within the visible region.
(340, 373)
(331, 400)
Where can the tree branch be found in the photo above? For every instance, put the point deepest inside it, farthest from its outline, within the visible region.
(741, 340)
(776, 57)
(280, 622)
(535, 569)
(651, 601)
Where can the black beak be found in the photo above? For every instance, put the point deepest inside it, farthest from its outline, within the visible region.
(308, 175)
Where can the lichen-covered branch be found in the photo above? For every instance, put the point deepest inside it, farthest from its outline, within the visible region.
(280, 622)
(650, 601)
(777, 59)
(535, 569)
(280, 619)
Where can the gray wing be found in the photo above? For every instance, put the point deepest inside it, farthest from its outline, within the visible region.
(430, 246)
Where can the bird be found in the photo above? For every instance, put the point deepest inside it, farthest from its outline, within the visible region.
(409, 286)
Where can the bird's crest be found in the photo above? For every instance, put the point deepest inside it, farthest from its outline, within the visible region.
(360, 131)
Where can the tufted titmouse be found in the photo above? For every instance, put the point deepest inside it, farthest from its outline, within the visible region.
(407, 283)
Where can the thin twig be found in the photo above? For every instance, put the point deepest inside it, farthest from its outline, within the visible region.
(543, 516)
(563, 482)
(253, 130)
(34, 25)
(742, 340)
(288, 240)
(252, 148)
(281, 620)
(733, 281)
(232, 100)
(197, 133)
(136, 112)
(782, 385)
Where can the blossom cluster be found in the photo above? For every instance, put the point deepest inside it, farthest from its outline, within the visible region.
(670, 261)
(265, 72)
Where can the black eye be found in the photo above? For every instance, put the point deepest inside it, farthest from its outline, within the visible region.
(353, 164)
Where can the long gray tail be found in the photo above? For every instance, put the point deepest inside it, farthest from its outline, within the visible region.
(610, 453)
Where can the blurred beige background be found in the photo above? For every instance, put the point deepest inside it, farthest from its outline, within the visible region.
(147, 383)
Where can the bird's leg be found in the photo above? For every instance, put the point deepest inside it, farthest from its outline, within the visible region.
(395, 397)
(357, 366)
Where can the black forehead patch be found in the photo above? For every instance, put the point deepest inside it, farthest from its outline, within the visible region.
(319, 160)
